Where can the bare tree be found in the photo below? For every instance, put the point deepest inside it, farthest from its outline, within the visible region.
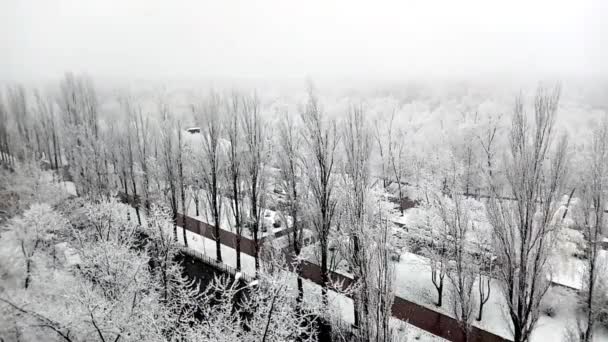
(455, 217)
(5, 135)
(33, 230)
(131, 151)
(484, 279)
(167, 133)
(84, 146)
(366, 224)
(524, 228)
(213, 164)
(591, 219)
(182, 179)
(398, 162)
(289, 156)
(434, 243)
(487, 140)
(234, 172)
(357, 181)
(143, 139)
(256, 148)
(466, 151)
(383, 147)
(321, 139)
(18, 107)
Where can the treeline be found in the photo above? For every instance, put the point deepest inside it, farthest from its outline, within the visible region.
(329, 176)
(229, 174)
(74, 270)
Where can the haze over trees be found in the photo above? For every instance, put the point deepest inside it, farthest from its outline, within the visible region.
(484, 205)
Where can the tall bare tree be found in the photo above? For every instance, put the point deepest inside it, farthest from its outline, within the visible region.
(85, 150)
(369, 236)
(182, 178)
(234, 169)
(357, 179)
(487, 140)
(18, 107)
(398, 163)
(49, 132)
(592, 221)
(213, 164)
(5, 135)
(321, 140)
(169, 155)
(380, 134)
(256, 147)
(467, 152)
(461, 275)
(289, 157)
(524, 228)
(365, 221)
(131, 151)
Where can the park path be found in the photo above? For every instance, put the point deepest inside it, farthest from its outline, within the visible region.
(417, 315)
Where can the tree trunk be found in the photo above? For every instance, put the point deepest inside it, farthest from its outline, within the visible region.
(256, 222)
(174, 208)
(440, 293)
(238, 252)
(28, 266)
(568, 203)
(256, 247)
(480, 313)
(400, 198)
(216, 216)
(196, 203)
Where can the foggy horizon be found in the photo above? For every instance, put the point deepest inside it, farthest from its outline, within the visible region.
(275, 40)
(318, 171)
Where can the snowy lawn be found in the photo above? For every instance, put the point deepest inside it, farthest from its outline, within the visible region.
(339, 304)
(413, 282)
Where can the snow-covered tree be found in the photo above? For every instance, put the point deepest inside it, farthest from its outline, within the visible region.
(212, 161)
(291, 182)
(321, 140)
(455, 216)
(255, 158)
(524, 228)
(591, 219)
(235, 168)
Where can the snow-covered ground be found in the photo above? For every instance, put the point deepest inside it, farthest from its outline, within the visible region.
(413, 282)
(340, 304)
(227, 218)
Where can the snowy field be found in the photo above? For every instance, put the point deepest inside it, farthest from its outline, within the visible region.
(340, 305)
(413, 282)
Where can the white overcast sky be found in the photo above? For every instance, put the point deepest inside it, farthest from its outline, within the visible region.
(281, 38)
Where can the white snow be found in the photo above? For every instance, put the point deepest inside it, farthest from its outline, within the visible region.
(339, 304)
